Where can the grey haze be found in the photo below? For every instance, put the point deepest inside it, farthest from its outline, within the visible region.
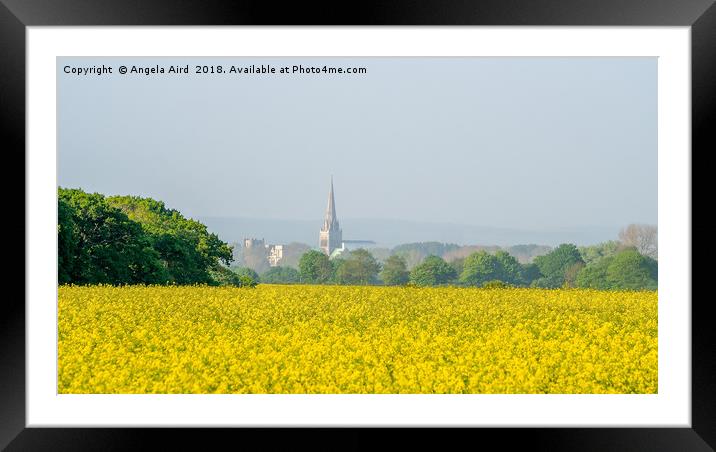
(455, 147)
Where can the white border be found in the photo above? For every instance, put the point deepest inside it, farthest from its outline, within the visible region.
(670, 407)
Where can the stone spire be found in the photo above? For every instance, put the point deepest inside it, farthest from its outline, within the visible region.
(330, 236)
(331, 220)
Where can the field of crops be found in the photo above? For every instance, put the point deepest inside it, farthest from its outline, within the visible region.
(341, 339)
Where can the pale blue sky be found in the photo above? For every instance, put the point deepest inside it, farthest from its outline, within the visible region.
(505, 142)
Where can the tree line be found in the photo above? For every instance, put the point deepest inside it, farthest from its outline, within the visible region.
(620, 268)
(134, 240)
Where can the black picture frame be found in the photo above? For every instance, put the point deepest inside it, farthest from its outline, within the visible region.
(16, 15)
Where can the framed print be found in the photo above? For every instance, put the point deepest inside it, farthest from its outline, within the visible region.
(404, 225)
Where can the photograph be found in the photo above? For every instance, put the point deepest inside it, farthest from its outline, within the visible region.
(241, 218)
(357, 225)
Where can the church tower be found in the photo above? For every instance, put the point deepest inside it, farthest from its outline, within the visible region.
(330, 236)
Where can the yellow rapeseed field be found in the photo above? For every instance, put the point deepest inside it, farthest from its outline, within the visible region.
(340, 339)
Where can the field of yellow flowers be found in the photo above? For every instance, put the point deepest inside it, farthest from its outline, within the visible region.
(342, 339)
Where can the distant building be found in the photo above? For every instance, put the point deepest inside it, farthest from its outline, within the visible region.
(261, 250)
(275, 254)
(254, 243)
(330, 237)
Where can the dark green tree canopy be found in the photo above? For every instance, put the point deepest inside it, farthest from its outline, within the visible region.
(66, 241)
(185, 245)
(98, 243)
(432, 271)
(124, 240)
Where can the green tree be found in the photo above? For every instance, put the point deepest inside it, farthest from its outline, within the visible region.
(627, 270)
(186, 248)
(98, 243)
(247, 273)
(223, 276)
(337, 262)
(479, 268)
(247, 281)
(458, 264)
(571, 273)
(281, 275)
(359, 267)
(530, 273)
(315, 267)
(594, 275)
(123, 239)
(554, 265)
(510, 270)
(395, 271)
(66, 242)
(631, 270)
(431, 272)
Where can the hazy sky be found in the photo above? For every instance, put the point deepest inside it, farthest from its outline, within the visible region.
(507, 142)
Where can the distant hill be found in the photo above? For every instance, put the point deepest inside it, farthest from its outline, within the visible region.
(389, 233)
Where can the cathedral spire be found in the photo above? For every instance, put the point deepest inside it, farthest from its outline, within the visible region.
(331, 209)
(330, 236)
